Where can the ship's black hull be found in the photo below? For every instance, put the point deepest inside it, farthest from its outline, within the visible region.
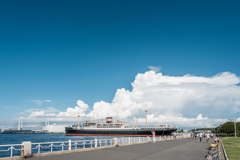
(118, 132)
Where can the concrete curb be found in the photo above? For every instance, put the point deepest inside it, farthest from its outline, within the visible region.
(225, 153)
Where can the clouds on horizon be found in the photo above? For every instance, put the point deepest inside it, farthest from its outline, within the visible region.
(181, 100)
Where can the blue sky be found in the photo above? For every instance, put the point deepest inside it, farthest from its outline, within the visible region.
(85, 50)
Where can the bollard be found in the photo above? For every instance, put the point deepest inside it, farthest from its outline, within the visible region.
(115, 142)
(69, 145)
(26, 149)
(148, 139)
(95, 142)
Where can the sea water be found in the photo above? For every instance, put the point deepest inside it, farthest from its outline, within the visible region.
(6, 139)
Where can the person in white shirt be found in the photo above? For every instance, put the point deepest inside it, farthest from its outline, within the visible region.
(200, 136)
(207, 137)
(175, 135)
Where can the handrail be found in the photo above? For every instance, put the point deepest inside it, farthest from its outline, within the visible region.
(11, 148)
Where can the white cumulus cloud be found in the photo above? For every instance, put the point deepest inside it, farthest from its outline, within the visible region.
(184, 100)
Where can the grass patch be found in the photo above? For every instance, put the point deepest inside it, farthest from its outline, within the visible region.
(232, 147)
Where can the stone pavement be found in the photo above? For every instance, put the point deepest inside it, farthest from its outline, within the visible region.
(180, 149)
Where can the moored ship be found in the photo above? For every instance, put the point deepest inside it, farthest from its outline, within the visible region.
(109, 128)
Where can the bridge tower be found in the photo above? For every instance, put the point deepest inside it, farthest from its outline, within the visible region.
(19, 124)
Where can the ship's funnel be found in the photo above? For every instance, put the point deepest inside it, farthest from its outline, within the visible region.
(109, 119)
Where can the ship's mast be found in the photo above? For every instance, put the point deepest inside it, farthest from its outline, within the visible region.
(78, 120)
(146, 116)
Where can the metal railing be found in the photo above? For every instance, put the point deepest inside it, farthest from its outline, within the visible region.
(43, 147)
(11, 148)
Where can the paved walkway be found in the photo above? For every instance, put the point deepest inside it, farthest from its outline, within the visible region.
(181, 149)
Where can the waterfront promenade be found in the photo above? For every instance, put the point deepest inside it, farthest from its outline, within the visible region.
(187, 149)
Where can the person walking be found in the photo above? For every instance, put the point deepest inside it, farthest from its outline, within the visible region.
(207, 137)
(153, 135)
(196, 135)
(200, 136)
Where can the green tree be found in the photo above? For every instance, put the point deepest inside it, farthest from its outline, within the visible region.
(238, 126)
(227, 127)
(217, 130)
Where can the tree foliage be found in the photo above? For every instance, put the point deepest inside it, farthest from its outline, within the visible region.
(228, 128)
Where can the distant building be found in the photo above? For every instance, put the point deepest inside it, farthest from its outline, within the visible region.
(54, 128)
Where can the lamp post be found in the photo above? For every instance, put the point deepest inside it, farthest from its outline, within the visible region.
(235, 127)
(195, 126)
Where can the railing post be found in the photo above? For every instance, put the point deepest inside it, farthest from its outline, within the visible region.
(129, 140)
(11, 150)
(139, 140)
(95, 142)
(115, 141)
(39, 148)
(69, 145)
(51, 147)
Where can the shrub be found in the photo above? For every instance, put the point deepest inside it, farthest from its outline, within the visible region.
(223, 135)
